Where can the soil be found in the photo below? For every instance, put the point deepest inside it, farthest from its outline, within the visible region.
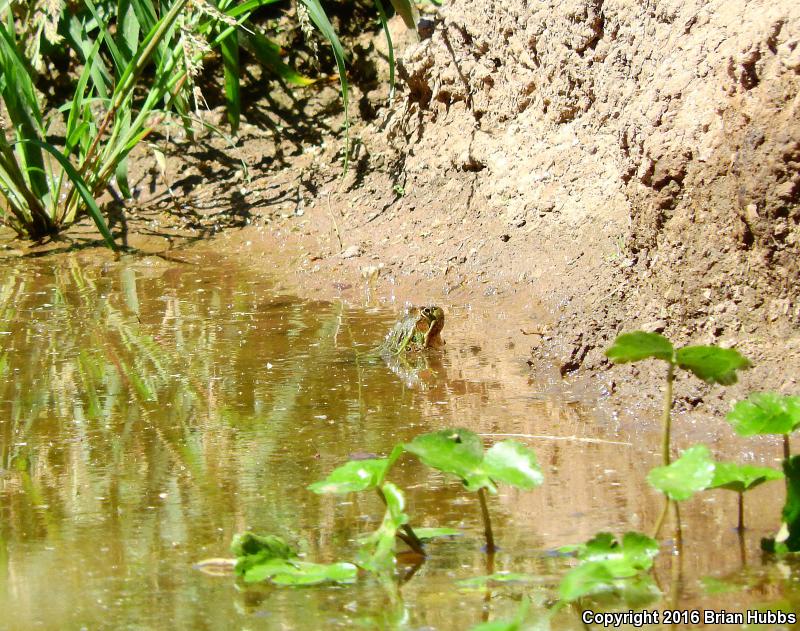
(608, 166)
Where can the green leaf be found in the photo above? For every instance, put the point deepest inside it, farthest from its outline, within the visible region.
(711, 363)
(605, 562)
(457, 451)
(587, 578)
(741, 477)
(512, 462)
(323, 24)
(353, 476)
(253, 550)
(765, 413)
(357, 475)
(636, 552)
(424, 534)
(285, 572)
(268, 55)
(480, 582)
(633, 347)
(248, 543)
(229, 48)
(692, 472)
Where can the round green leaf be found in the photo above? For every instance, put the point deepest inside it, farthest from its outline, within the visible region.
(633, 347)
(458, 451)
(765, 413)
(690, 473)
(512, 462)
(711, 363)
(353, 476)
(636, 552)
(741, 477)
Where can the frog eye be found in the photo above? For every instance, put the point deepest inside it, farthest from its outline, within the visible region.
(426, 311)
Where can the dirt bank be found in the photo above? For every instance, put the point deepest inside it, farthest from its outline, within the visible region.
(610, 165)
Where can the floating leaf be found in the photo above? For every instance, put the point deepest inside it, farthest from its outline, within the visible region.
(788, 538)
(605, 561)
(512, 462)
(765, 413)
(480, 582)
(434, 533)
(633, 347)
(458, 451)
(587, 578)
(712, 364)
(248, 544)
(692, 472)
(251, 550)
(292, 572)
(741, 477)
(636, 552)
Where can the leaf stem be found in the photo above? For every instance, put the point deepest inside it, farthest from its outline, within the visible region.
(667, 414)
(661, 517)
(487, 522)
(408, 536)
(740, 527)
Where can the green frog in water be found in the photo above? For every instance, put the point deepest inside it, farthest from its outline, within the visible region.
(418, 330)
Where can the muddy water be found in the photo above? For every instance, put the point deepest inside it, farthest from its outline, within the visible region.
(151, 409)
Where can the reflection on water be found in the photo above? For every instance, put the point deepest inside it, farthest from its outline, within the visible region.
(149, 410)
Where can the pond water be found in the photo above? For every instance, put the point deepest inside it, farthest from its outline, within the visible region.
(151, 409)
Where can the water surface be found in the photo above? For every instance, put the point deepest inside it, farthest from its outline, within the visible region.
(150, 410)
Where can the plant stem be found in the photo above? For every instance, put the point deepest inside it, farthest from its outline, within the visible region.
(661, 517)
(408, 536)
(667, 414)
(740, 527)
(487, 522)
(787, 452)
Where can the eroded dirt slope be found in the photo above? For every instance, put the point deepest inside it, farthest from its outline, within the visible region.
(637, 164)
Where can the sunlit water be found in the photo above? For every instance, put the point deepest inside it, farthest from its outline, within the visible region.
(150, 410)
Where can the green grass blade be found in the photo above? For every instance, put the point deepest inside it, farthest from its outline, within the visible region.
(406, 10)
(76, 36)
(22, 106)
(83, 190)
(323, 24)
(385, 26)
(229, 48)
(75, 124)
(128, 26)
(268, 54)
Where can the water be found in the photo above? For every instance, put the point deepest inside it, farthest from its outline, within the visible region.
(150, 410)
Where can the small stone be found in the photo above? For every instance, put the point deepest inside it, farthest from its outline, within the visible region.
(656, 326)
(351, 252)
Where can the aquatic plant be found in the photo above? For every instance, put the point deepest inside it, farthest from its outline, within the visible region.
(607, 565)
(712, 364)
(460, 452)
(771, 413)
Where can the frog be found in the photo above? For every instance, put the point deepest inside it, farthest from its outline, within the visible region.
(420, 329)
